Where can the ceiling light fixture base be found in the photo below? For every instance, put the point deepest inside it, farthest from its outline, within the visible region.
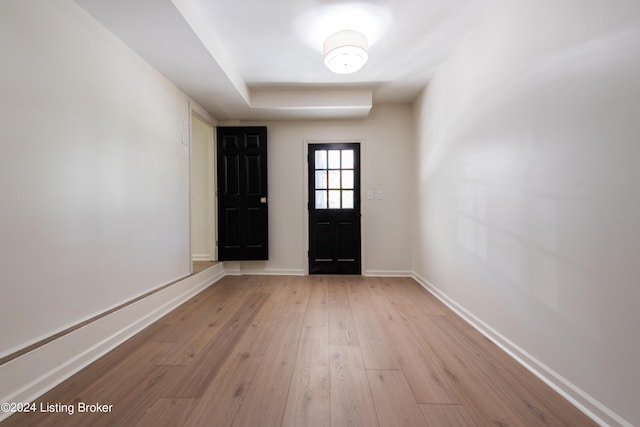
(345, 52)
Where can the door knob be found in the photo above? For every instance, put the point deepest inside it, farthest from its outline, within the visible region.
(263, 200)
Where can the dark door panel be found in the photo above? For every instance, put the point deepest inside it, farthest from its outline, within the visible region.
(242, 194)
(231, 232)
(231, 174)
(334, 209)
(346, 241)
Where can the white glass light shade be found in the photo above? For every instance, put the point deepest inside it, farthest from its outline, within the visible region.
(345, 51)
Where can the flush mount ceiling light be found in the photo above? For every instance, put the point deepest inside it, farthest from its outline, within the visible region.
(345, 52)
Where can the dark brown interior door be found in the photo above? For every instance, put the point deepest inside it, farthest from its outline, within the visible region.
(334, 208)
(243, 226)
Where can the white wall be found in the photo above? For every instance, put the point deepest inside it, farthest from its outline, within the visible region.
(529, 190)
(386, 136)
(95, 205)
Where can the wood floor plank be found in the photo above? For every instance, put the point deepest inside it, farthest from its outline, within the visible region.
(192, 380)
(308, 403)
(200, 266)
(447, 416)
(167, 412)
(264, 404)
(394, 402)
(317, 313)
(138, 376)
(512, 372)
(351, 400)
(145, 382)
(221, 401)
(135, 375)
(342, 329)
(290, 291)
(428, 383)
(407, 291)
(467, 378)
(207, 325)
(195, 306)
(504, 374)
(371, 338)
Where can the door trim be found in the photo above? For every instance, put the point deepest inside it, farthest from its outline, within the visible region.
(211, 187)
(305, 189)
(204, 116)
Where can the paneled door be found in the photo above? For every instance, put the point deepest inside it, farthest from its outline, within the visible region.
(334, 208)
(243, 225)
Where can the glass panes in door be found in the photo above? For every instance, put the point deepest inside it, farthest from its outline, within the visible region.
(334, 179)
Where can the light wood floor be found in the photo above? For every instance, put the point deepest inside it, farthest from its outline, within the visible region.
(199, 266)
(308, 351)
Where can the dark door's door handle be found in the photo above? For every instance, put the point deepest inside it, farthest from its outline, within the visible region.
(263, 200)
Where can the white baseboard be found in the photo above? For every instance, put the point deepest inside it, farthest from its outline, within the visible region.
(201, 257)
(583, 401)
(34, 373)
(273, 272)
(388, 273)
(255, 268)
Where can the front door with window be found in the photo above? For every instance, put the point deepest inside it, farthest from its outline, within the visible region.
(334, 209)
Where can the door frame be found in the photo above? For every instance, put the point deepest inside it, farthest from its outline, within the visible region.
(212, 184)
(204, 116)
(305, 189)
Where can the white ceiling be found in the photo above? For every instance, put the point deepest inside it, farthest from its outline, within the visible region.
(262, 59)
